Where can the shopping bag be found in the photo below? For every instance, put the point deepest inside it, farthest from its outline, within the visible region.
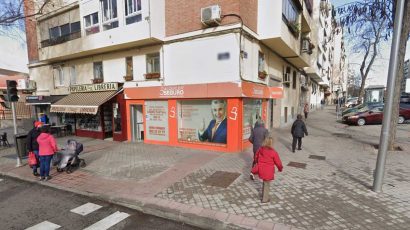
(32, 160)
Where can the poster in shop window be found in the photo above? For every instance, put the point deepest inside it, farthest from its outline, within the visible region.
(252, 109)
(157, 120)
(202, 121)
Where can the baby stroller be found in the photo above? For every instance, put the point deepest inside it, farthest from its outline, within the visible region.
(67, 159)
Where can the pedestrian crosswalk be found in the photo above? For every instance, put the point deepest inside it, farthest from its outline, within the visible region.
(83, 211)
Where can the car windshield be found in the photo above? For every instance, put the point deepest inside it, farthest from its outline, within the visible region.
(363, 109)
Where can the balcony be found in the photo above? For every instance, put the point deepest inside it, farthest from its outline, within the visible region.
(61, 39)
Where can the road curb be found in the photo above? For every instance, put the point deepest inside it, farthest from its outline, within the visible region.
(183, 213)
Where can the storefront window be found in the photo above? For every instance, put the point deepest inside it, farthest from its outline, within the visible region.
(156, 117)
(117, 117)
(89, 122)
(202, 121)
(252, 110)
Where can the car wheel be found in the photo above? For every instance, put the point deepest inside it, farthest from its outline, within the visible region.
(401, 120)
(361, 122)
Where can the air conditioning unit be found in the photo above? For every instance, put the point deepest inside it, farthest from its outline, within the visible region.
(286, 78)
(211, 15)
(31, 84)
(21, 83)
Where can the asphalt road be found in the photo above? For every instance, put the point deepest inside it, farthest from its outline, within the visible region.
(30, 205)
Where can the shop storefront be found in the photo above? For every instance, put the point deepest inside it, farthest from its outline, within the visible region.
(215, 116)
(94, 110)
(41, 107)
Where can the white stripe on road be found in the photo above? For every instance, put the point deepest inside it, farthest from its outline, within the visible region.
(86, 209)
(108, 221)
(45, 225)
(1, 180)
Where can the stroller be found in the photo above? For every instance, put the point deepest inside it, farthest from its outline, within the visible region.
(68, 159)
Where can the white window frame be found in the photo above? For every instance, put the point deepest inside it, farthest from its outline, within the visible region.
(129, 13)
(73, 75)
(151, 58)
(58, 80)
(93, 24)
(107, 19)
(96, 71)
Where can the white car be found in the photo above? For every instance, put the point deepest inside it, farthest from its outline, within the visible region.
(351, 102)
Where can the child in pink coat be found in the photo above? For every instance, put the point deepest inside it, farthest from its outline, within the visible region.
(266, 158)
(47, 147)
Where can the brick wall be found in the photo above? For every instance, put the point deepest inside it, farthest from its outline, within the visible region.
(182, 16)
(31, 34)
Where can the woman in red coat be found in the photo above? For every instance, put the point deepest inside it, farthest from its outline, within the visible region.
(266, 158)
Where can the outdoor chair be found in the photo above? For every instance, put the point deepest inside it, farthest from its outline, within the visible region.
(3, 140)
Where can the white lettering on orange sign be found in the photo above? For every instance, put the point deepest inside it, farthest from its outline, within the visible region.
(172, 91)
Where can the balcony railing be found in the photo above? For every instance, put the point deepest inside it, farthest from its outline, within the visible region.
(61, 39)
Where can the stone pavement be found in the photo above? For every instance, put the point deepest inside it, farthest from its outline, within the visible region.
(331, 192)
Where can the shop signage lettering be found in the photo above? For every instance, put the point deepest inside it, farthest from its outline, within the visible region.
(172, 91)
(109, 86)
(34, 98)
(66, 109)
(258, 92)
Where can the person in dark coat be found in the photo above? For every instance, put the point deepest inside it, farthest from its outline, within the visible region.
(32, 144)
(298, 132)
(258, 135)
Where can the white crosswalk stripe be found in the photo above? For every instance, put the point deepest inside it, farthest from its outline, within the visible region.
(86, 209)
(108, 221)
(45, 225)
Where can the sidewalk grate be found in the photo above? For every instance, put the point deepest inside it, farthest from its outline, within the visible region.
(297, 165)
(344, 135)
(221, 179)
(316, 157)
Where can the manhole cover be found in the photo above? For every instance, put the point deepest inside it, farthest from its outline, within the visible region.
(345, 135)
(221, 179)
(297, 165)
(316, 157)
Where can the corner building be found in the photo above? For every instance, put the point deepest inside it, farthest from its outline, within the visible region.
(195, 74)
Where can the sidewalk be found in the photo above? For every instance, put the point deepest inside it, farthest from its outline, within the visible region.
(212, 190)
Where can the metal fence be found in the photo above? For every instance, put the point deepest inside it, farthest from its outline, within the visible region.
(22, 111)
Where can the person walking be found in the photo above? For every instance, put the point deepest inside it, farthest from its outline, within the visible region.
(32, 144)
(298, 132)
(266, 158)
(306, 110)
(47, 147)
(322, 104)
(258, 135)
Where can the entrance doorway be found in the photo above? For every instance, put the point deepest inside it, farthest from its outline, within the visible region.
(137, 123)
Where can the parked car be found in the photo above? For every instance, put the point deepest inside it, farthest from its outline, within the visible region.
(375, 116)
(360, 107)
(351, 102)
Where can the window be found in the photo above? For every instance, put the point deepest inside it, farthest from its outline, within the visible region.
(91, 24)
(132, 11)
(129, 66)
(109, 14)
(98, 70)
(55, 32)
(58, 76)
(261, 62)
(294, 80)
(73, 76)
(153, 63)
(75, 27)
(65, 29)
(289, 11)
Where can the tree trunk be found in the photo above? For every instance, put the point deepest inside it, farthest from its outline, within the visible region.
(361, 91)
(399, 76)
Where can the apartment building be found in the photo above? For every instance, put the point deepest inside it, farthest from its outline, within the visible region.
(196, 74)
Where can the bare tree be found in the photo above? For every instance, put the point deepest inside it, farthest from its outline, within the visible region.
(12, 15)
(367, 27)
(351, 15)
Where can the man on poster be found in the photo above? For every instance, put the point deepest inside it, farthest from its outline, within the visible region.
(217, 128)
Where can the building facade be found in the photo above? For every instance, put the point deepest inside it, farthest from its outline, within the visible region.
(197, 76)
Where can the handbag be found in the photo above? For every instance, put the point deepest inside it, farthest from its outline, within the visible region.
(32, 160)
